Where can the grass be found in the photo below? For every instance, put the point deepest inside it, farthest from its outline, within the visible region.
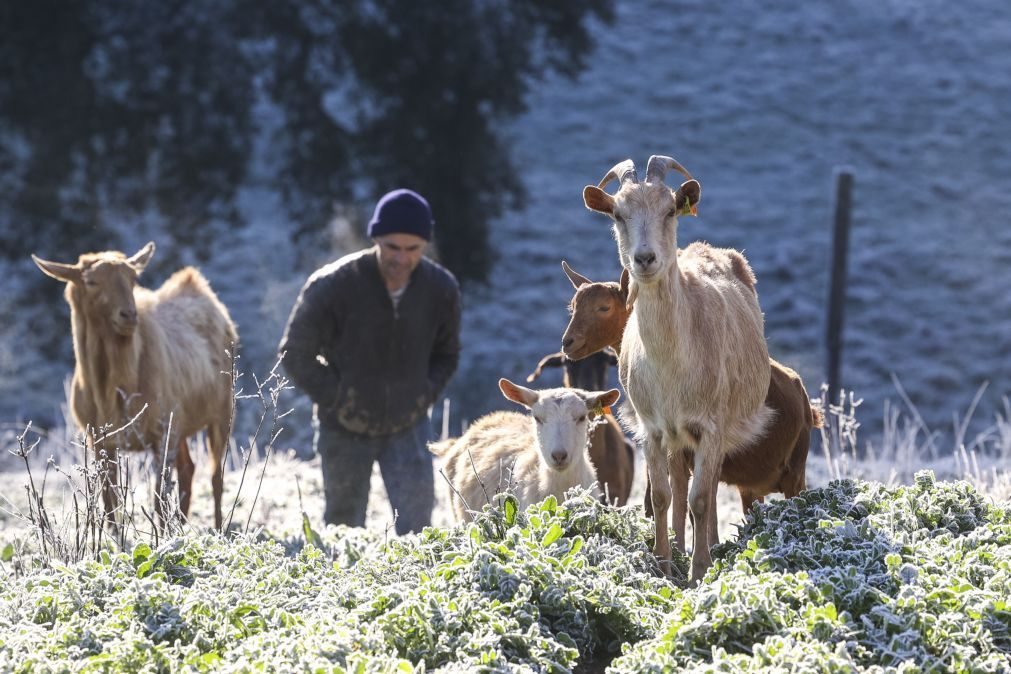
(878, 567)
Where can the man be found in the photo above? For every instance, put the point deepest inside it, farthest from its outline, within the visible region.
(373, 340)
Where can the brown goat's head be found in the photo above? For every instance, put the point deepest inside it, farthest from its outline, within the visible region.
(645, 214)
(101, 285)
(599, 314)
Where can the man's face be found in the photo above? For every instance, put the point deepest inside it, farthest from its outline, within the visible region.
(399, 254)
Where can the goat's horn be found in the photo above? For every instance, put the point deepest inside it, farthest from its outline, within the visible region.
(575, 277)
(623, 171)
(550, 360)
(656, 169)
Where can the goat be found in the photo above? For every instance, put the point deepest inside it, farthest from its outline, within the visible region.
(612, 454)
(538, 455)
(694, 362)
(776, 462)
(169, 349)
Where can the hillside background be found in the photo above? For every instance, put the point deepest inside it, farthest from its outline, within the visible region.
(761, 102)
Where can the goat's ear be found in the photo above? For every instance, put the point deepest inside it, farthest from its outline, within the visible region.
(633, 292)
(140, 259)
(687, 197)
(598, 200)
(575, 278)
(623, 284)
(597, 402)
(517, 393)
(69, 273)
(551, 360)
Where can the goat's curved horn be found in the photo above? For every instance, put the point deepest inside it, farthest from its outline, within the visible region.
(550, 360)
(623, 171)
(575, 277)
(656, 169)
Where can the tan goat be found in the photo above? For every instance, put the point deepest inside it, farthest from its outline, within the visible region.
(611, 453)
(533, 456)
(169, 349)
(694, 362)
(775, 462)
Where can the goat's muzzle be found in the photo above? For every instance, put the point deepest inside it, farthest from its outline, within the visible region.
(644, 267)
(125, 324)
(573, 348)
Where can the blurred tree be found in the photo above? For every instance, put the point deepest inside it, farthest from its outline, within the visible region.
(113, 109)
(379, 94)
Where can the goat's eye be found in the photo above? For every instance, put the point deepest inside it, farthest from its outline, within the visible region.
(620, 220)
(672, 212)
(88, 282)
(603, 309)
(539, 420)
(582, 418)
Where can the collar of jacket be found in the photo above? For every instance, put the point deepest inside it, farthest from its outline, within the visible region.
(373, 264)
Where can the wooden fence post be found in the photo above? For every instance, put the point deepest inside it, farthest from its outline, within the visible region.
(837, 284)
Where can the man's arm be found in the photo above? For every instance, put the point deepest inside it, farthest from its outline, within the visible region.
(446, 350)
(312, 326)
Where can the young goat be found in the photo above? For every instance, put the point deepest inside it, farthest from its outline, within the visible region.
(169, 349)
(775, 462)
(612, 454)
(694, 362)
(535, 456)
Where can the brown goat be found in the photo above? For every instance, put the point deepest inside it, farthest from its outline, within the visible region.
(776, 462)
(168, 349)
(612, 454)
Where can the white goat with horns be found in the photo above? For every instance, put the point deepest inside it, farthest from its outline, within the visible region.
(694, 362)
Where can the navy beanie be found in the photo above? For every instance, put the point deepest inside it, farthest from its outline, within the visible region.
(402, 212)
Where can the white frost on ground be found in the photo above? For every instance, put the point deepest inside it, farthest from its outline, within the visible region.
(290, 485)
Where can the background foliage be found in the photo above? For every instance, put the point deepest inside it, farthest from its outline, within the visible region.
(141, 109)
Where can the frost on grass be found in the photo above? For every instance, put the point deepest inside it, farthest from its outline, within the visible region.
(851, 577)
(512, 591)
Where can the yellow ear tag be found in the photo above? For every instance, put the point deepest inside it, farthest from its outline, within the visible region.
(600, 410)
(690, 209)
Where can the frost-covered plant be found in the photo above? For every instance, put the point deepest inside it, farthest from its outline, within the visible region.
(851, 577)
(511, 591)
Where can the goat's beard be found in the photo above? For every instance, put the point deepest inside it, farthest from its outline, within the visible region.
(125, 331)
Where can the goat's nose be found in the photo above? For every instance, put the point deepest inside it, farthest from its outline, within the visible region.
(128, 314)
(567, 342)
(645, 259)
(558, 456)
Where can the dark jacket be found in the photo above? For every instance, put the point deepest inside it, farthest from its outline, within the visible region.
(368, 369)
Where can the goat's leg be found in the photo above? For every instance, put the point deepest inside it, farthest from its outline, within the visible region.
(656, 467)
(708, 461)
(796, 481)
(713, 522)
(647, 499)
(185, 469)
(217, 442)
(748, 498)
(679, 472)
